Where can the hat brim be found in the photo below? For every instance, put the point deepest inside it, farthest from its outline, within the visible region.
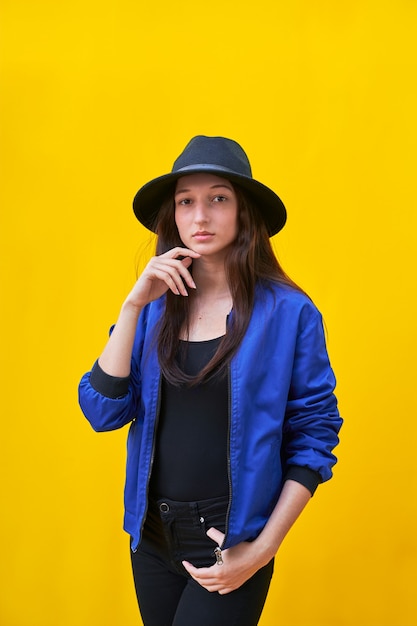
(148, 200)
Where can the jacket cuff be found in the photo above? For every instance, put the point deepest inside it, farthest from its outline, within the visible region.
(110, 386)
(305, 476)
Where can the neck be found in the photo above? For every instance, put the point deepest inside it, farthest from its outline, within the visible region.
(210, 278)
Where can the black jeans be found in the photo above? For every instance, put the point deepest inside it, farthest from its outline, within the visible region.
(167, 595)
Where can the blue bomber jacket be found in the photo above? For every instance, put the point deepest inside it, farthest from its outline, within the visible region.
(282, 410)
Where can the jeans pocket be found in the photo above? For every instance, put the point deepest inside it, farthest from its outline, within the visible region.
(214, 514)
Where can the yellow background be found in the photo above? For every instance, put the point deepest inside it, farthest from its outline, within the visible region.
(99, 97)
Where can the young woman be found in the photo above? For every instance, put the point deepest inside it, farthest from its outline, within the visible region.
(218, 362)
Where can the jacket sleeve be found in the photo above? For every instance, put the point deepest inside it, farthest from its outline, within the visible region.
(312, 420)
(109, 402)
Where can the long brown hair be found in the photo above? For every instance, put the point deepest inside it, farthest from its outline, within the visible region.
(251, 262)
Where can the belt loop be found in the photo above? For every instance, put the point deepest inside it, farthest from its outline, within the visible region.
(195, 514)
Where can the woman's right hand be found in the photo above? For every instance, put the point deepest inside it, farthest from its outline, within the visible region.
(163, 272)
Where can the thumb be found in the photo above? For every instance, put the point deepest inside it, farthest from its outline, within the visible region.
(216, 535)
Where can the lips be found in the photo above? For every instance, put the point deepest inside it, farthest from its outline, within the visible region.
(202, 235)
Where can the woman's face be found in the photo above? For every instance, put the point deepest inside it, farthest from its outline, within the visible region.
(206, 211)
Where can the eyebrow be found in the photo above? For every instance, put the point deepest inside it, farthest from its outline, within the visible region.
(185, 190)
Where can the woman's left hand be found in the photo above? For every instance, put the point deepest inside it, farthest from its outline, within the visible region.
(243, 560)
(239, 563)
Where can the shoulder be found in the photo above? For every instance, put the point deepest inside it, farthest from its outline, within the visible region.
(288, 310)
(284, 297)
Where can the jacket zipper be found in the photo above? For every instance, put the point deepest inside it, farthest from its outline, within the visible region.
(229, 428)
(229, 473)
(229, 470)
(158, 408)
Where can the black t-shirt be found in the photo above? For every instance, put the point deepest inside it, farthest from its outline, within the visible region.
(191, 441)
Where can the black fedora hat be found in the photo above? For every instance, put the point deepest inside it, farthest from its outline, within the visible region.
(212, 155)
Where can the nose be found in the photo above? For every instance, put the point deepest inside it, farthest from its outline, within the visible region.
(200, 212)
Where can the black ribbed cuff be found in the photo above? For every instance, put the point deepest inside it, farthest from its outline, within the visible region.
(109, 386)
(305, 476)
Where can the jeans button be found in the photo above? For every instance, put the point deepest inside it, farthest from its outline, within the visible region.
(164, 507)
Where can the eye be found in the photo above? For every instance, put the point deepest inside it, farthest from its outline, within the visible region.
(183, 202)
(219, 199)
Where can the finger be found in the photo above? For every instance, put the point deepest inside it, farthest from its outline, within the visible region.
(185, 262)
(177, 269)
(171, 279)
(186, 275)
(190, 568)
(178, 251)
(205, 576)
(174, 274)
(199, 572)
(216, 535)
